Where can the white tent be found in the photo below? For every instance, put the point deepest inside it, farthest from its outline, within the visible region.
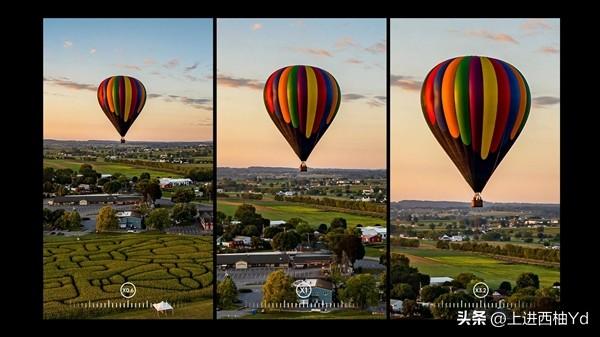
(162, 307)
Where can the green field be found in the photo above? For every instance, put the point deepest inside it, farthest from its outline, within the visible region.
(375, 250)
(200, 310)
(108, 168)
(443, 262)
(341, 314)
(282, 210)
(174, 268)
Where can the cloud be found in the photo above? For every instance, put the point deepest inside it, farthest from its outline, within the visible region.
(193, 78)
(149, 61)
(377, 48)
(257, 26)
(198, 103)
(156, 72)
(64, 82)
(535, 25)
(500, 37)
(237, 82)
(67, 44)
(129, 66)
(354, 61)
(192, 67)
(353, 97)
(345, 42)
(549, 50)
(405, 82)
(171, 64)
(93, 51)
(315, 51)
(376, 101)
(543, 101)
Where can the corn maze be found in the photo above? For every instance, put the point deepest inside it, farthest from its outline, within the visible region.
(77, 273)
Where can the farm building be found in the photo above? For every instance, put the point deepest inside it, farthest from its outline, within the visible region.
(438, 281)
(373, 230)
(90, 199)
(174, 182)
(273, 259)
(322, 291)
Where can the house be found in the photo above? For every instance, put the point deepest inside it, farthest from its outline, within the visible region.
(445, 238)
(456, 238)
(367, 199)
(371, 238)
(274, 259)
(321, 291)
(129, 220)
(373, 230)
(276, 223)
(220, 190)
(438, 281)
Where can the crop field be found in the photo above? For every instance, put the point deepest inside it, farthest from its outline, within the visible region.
(282, 210)
(108, 168)
(89, 271)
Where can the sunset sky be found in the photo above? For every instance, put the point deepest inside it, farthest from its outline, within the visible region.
(172, 58)
(420, 168)
(353, 51)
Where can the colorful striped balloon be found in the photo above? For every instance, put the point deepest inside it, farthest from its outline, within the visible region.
(302, 101)
(476, 108)
(122, 98)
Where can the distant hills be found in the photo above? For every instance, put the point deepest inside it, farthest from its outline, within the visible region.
(414, 205)
(53, 143)
(282, 172)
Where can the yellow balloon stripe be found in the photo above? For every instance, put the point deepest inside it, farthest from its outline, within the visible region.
(127, 97)
(312, 93)
(522, 104)
(490, 105)
(282, 95)
(335, 96)
(448, 97)
(109, 94)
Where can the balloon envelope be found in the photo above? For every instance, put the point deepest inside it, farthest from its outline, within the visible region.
(302, 101)
(122, 99)
(476, 107)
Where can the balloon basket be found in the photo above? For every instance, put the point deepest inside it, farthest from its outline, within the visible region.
(122, 140)
(477, 201)
(303, 167)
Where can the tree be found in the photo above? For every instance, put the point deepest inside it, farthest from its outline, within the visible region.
(145, 176)
(286, 240)
(152, 190)
(278, 288)
(446, 312)
(322, 228)
(338, 223)
(270, 232)
(303, 229)
(504, 288)
(227, 292)
(158, 219)
(361, 290)
(430, 293)
(106, 219)
(403, 291)
(111, 187)
(221, 218)
(247, 215)
(528, 280)
(351, 245)
(183, 195)
(250, 230)
(68, 221)
(294, 222)
(464, 278)
(183, 214)
(61, 190)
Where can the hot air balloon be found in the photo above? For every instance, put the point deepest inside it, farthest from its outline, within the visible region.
(122, 99)
(302, 101)
(476, 107)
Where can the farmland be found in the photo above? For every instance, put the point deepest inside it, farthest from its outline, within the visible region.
(443, 262)
(89, 270)
(108, 168)
(282, 210)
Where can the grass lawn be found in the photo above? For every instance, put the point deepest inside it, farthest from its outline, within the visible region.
(442, 262)
(174, 268)
(281, 210)
(375, 250)
(341, 314)
(108, 168)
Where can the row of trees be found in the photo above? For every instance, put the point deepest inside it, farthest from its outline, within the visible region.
(337, 203)
(182, 214)
(544, 254)
(404, 242)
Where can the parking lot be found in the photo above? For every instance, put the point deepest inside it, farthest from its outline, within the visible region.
(258, 275)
